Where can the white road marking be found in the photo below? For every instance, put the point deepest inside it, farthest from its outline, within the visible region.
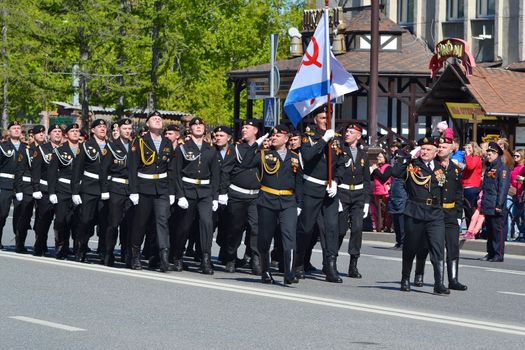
(276, 294)
(48, 324)
(512, 293)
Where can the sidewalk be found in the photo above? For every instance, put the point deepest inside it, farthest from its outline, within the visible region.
(478, 245)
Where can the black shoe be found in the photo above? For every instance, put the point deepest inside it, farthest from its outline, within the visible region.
(154, 262)
(353, 272)
(256, 264)
(230, 267)
(308, 267)
(288, 265)
(290, 278)
(299, 272)
(418, 280)
(164, 260)
(135, 259)
(441, 289)
(109, 260)
(486, 258)
(80, 256)
(405, 285)
(21, 250)
(455, 285)
(331, 271)
(206, 267)
(178, 265)
(266, 278)
(496, 260)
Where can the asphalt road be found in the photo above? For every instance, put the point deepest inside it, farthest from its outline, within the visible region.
(45, 303)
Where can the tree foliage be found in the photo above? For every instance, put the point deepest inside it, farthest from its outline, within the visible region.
(171, 54)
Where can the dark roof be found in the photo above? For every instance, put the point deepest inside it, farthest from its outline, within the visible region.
(517, 66)
(498, 91)
(361, 22)
(412, 59)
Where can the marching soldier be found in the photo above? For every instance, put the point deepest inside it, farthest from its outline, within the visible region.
(60, 174)
(88, 190)
(354, 192)
(242, 185)
(453, 211)
(8, 165)
(280, 199)
(197, 187)
(45, 209)
(424, 220)
(496, 183)
(320, 197)
(119, 205)
(152, 188)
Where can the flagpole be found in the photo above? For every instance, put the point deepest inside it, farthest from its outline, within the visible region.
(329, 104)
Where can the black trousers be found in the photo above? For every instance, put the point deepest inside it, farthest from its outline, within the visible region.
(45, 211)
(6, 197)
(399, 227)
(159, 206)
(221, 221)
(241, 216)
(92, 212)
(312, 208)
(22, 214)
(418, 233)
(451, 241)
(119, 214)
(202, 208)
(352, 217)
(496, 234)
(66, 222)
(268, 221)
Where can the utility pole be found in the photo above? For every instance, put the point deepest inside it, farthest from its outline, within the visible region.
(374, 75)
(5, 100)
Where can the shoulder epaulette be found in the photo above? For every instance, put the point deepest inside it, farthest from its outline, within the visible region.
(180, 142)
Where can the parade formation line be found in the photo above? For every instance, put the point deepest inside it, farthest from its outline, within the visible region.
(297, 297)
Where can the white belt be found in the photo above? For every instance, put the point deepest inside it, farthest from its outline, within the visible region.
(196, 181)
(351, 187)
(119, 180)
(315, 181)
(26, 179)
(8, 176)
(64, 180)
(243, 190)
(43, 182)
(152, 176)
(91, 175)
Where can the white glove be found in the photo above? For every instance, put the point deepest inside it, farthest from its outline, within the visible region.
(172, 199)
(37, 195)
(134, 198)
(332, 190)
(76, 199)
(415, 152)
(299, 210)
(19, 196)
(104, 196)
(261, 139)
(214, 205)
(340, 208)
(328, 135)
(53, 198)
(223, 199)
(365, 210)
(183, 203)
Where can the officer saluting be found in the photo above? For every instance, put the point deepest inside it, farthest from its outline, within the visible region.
(424, 179)
(354, 193)
(453, 211)
(152, 188)
(197, 178)
(280, 199)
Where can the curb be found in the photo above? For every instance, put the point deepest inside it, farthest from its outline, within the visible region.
(477, 245)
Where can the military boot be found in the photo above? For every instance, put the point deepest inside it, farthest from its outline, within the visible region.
(289, 274)
(135, 259)
(420, 272)
(206, 267)
(266, 276)
(353, 272)
(452, 270)
(331, 270)
(164, 260)
(256, 264)
(439, 275)
(20, 240)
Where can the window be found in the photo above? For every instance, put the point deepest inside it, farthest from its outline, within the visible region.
(455, 9)
(485, 8)
(406, 13)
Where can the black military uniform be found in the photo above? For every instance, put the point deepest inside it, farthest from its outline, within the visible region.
(424, 220)
(152, 177)
(88, 179)
(279, 197)
(23, 187)
(197, 180)
(60, 174)
(242, 186)
(453, 210)
(317, 202)
(119, 205)
(8, 165)
(354, 193)
(45, 210)
(495, 187)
